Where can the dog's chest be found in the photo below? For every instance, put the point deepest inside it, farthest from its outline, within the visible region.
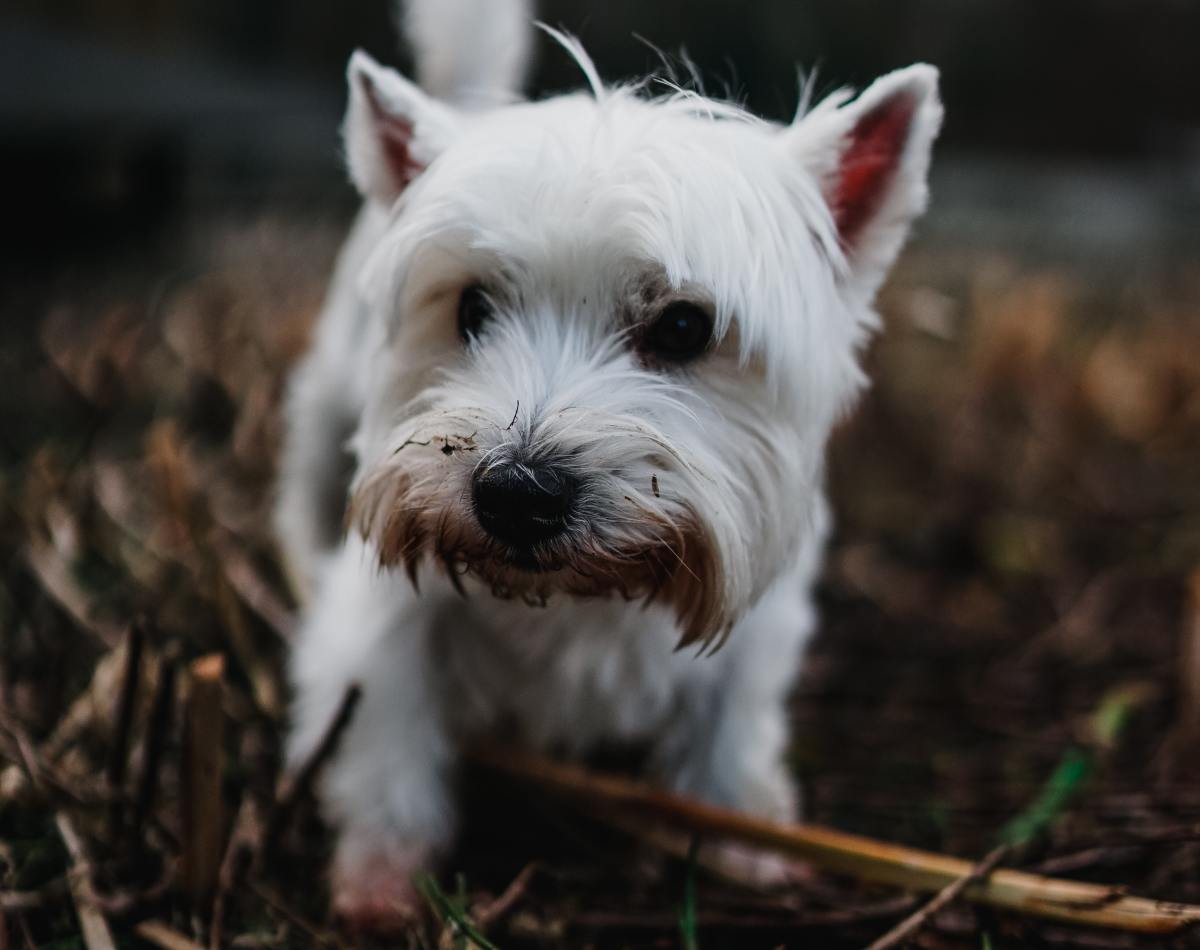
(571, 676)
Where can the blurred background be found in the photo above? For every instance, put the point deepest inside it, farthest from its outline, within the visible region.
(1073, 124)
(1010, 638)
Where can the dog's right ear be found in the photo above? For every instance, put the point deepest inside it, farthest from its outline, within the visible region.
(392, 131)
(871, 159)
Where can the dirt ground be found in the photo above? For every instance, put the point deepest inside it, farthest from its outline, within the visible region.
(1011, 615)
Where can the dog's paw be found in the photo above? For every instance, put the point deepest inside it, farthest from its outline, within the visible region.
(754, 867)
(378, 894)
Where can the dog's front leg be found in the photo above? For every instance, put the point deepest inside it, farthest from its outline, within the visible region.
(385, 792)
(728, 744)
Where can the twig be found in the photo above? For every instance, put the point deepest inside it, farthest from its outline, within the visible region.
(30, 763)
(203, 757)
(95, 932)
(54, 575)
(867, 859)
(908, 927)
(487, 914)
(739, 920)
(26, 935)
(264, 685)
(243, 844)
(91, 710)
(276, 902)
(122, 725)
(295, 786)
(41, 776)
(159, 934)
(243, 576)
(1117, 851)
(157, 728)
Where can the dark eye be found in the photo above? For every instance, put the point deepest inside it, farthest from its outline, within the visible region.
(681, 332)
(474, 310)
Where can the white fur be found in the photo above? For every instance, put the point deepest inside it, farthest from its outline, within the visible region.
(580, 215)
(470, 52)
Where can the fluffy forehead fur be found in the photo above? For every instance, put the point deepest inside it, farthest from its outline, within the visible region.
(581, 216)
(578, 198)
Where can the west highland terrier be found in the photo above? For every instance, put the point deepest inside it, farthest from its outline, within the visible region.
(571, 392)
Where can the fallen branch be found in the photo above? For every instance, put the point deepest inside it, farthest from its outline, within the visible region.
(867, 859)
(908, 927)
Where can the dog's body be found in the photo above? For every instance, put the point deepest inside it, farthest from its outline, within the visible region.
(587, 354)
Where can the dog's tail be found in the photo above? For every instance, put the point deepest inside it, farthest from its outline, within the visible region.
(470, 52)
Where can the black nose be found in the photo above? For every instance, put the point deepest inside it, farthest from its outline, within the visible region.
(523, 504)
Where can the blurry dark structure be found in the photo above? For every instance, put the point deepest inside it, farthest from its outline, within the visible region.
(1079, 115)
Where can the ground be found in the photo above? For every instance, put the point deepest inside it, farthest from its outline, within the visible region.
(1011, 614)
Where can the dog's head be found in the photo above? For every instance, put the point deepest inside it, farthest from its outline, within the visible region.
(614, 332)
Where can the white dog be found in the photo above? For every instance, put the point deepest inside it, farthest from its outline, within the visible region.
(571, 391)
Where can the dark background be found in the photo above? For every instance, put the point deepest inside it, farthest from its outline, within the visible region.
(1072, 126)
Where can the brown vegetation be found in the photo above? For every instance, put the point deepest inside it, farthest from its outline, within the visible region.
(1009, 647)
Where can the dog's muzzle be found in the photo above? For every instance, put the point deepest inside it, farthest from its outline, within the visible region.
(523, 505)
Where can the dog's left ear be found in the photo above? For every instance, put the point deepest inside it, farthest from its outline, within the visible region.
(871, 157)
(392, 130)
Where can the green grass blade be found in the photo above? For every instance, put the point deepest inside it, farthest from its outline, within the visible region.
(687, 913)
(452, 911)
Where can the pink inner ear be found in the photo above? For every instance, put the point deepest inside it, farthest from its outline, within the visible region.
(869, 162)
(395, 138)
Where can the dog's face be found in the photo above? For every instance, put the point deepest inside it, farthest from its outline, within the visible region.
(613, 334)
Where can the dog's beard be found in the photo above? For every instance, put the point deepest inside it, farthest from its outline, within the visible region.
(415, 508)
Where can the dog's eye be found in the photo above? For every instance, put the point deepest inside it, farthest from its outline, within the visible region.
(681, 332)
(474, 310)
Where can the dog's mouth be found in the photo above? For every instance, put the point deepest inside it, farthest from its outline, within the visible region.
(670, 563)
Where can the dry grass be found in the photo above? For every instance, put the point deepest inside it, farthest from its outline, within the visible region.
(1019, 531)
